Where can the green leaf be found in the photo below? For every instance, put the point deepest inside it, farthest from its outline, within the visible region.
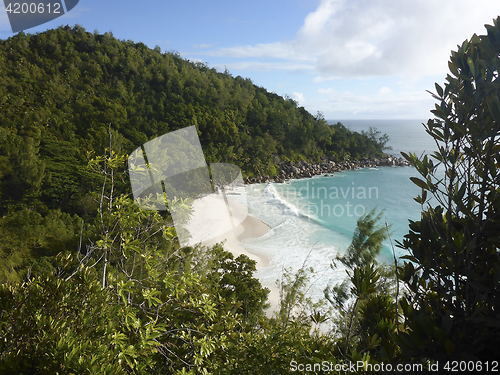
(453, 68)
(493, 106)
(439, 90)
(419, 182)
(449, 346)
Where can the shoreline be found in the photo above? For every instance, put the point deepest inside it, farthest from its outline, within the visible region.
(252, 227)
(210, 225)
(249, 227)
(302, 169)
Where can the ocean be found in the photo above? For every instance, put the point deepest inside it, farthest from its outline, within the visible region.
(313, 219)
(404, 135)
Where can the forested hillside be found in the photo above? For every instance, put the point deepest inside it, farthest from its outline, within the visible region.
(61, 90)
(92, 284)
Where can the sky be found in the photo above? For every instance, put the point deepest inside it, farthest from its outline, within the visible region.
(348, 59)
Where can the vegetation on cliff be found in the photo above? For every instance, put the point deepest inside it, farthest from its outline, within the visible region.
(66, 95)
(61, 89)
(90, 283)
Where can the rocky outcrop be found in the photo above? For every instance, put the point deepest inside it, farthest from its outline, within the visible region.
(301, 169)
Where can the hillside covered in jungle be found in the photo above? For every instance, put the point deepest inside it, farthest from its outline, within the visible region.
(62, 90)
(92, 284)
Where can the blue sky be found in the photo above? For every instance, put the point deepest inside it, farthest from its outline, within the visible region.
(349, 59)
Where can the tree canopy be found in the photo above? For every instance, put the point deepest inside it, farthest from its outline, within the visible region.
(61, 89)
(452, 309)
(91, 283)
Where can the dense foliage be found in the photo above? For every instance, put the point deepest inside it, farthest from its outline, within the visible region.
(455, 275)
(90, 283)
(63, 91)
(60, 90)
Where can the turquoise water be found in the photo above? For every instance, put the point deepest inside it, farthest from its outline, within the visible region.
(313, 219)
(337, 202)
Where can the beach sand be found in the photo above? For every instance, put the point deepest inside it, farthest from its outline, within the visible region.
(210, 218)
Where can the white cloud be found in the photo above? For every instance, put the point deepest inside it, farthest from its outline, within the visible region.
(394, 49)
(278, 50)
(367, 38)
(385, 91)
(203, 46)
(326, 91)
(266, 66)
(385, 102)
(299, 97)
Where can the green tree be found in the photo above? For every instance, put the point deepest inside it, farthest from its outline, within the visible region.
(59, 87)
(453, 301)
(234, 280)
(50, 326)
(22, 177)
(366, 319)
(30, 241)
(378, 143)
(272, 345)
(367, 241)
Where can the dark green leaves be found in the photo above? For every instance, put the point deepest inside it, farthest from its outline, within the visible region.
(455, 271)
(419, 182)
(439, 90)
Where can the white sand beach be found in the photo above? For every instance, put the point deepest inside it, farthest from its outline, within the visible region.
(218, 219)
